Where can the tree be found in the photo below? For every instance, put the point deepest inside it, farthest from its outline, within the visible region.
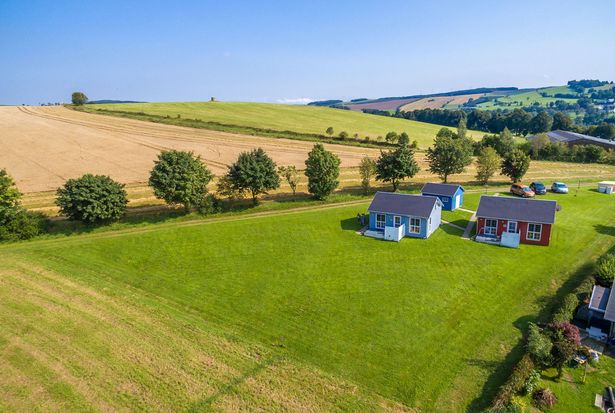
(79, 98)
(404, 139)
(9, 196)
(92, 199)
(449, 156)
(290, 174)
(343, 135)
(566, 341)
(506, 143)
(391, 137)
(515, 165)
(179, 177)
(446, 133)
(367, 169)
(541, 123)
(538, 143)
(253, 172)
(322, 170)
(561, 121)
(462, 128)
(330, 131)
(487, 164)
(395, 166)
(15, 222)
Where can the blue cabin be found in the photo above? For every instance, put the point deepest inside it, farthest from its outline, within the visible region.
(451, 195)
(394, 216)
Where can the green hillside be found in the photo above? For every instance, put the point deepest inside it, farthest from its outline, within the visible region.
(303, 119)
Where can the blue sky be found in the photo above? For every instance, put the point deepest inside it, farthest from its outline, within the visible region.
(280, 51)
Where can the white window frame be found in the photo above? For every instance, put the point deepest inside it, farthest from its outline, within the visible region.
(413, 228)
(490, 227)
(379, 222)
(534, 235)
(397, 221)
(516, 226)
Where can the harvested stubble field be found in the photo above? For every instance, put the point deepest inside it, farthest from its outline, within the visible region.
(44, 146)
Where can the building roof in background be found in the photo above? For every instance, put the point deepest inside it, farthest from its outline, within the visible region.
(517, 209)
(441, 189)
(600, 298)
(609, 313)
(403, 204)
(571, 137)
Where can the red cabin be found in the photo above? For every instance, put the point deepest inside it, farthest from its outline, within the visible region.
(508, 221)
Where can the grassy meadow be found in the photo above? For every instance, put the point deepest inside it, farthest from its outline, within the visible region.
(519, 100)
(295, 118)
(289, 311)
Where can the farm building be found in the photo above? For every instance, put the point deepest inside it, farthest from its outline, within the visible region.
(394, 216)
(606, 187)
(573, 138)
(509, 221)
(601, 318)
(451, 195)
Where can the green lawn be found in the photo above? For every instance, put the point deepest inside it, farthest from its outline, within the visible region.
(434, 324)
(574, 395)
(303, 119)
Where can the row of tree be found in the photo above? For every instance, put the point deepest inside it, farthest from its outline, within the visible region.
(518, 121)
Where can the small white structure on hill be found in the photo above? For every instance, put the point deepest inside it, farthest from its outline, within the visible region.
(606, 187)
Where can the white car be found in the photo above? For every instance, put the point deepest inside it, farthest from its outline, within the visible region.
(559, 188)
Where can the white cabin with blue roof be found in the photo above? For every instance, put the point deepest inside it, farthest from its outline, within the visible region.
(393, 216)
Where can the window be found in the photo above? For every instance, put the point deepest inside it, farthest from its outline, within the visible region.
(512, 227)
(415, 225)
(534, 232)
(491, 226)
(380, 221)
(397, 221)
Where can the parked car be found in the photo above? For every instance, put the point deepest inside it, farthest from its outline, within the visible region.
(559, 188)
(538, 188)
(521, 190)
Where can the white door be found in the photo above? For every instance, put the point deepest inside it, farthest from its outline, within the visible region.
(456, 203)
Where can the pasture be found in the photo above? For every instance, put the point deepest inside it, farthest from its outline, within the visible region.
(218, 314)
(303, 119)
(525, 99)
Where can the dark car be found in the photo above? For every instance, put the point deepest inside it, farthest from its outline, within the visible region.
(538, 188)
(521, 190)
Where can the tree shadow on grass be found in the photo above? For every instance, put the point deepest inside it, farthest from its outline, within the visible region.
(605, 229)
(502, 371)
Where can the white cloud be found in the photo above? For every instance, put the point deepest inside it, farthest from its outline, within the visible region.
(295, 101)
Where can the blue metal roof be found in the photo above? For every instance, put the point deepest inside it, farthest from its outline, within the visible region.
(441, 189)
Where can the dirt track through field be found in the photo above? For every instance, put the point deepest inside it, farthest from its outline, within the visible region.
(44, 146)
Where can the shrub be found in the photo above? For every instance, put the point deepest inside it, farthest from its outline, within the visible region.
(539, 345)
(605, 270)
(544, 398)
(343, 135)
(22, 225)
(532, 382)
(92, 199)
(515, 383)
(567, 310)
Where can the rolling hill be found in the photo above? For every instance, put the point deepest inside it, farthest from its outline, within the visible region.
(277, 117)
